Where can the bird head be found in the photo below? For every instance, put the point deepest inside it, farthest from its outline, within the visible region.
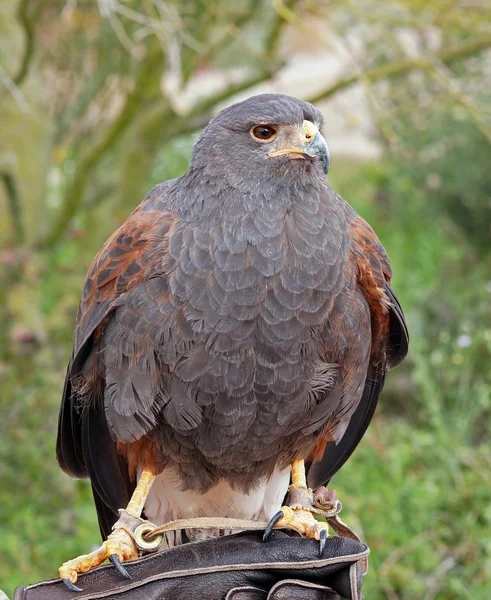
(269, 136)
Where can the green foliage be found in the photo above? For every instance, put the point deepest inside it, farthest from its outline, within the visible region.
(44, 514)
(444, 287)
(444, 155)
(421, 498)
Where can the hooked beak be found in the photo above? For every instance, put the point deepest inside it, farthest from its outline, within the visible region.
(311, 143)
(318, 147)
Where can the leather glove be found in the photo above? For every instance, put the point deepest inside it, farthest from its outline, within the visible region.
(235, 567)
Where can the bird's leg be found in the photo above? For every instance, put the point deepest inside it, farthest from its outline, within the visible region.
(119, 545)
(298, 515)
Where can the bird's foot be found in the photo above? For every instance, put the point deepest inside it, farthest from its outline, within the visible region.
(300, 520)
(299, 517)
(118, 547)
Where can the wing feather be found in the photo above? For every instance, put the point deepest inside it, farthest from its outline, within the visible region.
(85, 446)
(390, 342)
(335, 455)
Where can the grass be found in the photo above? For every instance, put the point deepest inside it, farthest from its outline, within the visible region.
(422, 500)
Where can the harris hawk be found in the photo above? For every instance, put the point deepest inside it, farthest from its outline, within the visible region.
(233, 333)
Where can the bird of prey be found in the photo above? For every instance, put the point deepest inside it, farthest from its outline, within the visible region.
(239, 322)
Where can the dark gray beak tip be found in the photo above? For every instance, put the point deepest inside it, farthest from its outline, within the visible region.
(318, 148)
(325, 162)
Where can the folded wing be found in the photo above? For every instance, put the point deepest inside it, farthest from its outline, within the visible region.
(389, 344)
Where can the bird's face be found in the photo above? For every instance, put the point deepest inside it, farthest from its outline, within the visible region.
(266, 137)
(295, 142)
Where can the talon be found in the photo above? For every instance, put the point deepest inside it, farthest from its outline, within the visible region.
(71, 586)
(322, 540)
(114, 558)
(270, 526)
(118, 546)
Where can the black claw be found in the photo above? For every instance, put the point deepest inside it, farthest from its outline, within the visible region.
(322, 540)
(269, 527)
(114, 558)
(71, 586)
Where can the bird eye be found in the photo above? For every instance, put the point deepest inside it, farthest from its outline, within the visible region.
(263, 133)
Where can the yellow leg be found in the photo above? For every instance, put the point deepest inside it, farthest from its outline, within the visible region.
(119, 543)
(299, 479)
(139, 496)
(298, 516)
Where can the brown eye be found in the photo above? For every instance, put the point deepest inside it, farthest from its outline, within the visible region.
(263, 132)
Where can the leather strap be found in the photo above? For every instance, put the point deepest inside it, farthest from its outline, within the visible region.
(337, 524)
(207, 523)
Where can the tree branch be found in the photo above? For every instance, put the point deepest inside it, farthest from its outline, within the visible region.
(200, 114)
(403, 66)
(442, 75)
(174, 125)
(74, 194)
(15, 91)
(27, 24)
(14, 207)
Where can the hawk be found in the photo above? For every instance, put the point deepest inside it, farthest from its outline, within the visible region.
(233, 333)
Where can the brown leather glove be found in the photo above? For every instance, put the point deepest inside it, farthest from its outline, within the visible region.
(235, 567)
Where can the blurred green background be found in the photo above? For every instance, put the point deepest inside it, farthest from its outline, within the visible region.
(101, 100)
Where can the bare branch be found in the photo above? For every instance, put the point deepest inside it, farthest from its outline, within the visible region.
(403, 66)
(14, 207)
(27, 21)
(174, 125)
(383, 122)
(284, 9)
(120, 33)
(208, 103)
(74, 194)
(443, 76)
(14, 90)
